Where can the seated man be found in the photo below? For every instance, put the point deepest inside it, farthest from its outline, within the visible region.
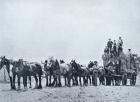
(106, 50)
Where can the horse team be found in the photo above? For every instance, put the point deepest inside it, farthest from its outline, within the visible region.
(54, 70)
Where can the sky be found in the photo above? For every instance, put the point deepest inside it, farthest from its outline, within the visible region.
(67, 29)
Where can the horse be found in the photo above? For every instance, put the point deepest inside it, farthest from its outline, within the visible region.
(66, 71)
(36, 71)
(5, 62)
(48, 73)
(79, 71)
(11, 67)
(25, 69)
(51, 68)
(20, 69)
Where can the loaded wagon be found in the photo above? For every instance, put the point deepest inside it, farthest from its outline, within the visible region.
(118, 72)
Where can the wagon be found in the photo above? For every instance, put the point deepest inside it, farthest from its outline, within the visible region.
(122, 77)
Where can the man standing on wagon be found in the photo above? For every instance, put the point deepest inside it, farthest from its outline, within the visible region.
(109, 45)
(129, 59)
(120, 44)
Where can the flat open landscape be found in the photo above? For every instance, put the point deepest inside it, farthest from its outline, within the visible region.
(72, 94)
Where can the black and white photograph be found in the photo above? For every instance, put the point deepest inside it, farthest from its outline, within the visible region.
(69, 50)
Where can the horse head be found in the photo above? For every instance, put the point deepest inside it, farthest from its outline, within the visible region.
(91, 64)
(4, 61)
(74, 64)
(62, 61)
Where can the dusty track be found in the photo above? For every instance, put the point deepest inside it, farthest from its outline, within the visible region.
(73, 94)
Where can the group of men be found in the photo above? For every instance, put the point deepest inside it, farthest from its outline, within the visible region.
(114, 48)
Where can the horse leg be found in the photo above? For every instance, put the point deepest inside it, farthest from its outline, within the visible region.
(25, 82)
(69, 77)
(76, 79)
(54, 83)
(59, 78)
(46, 80)
(73, 80)
(103, 80)
(50, 82)
(85, 80)
(80, 81)
(14, 87)
(11, 81)
(112, 81)
(65, 80)
(86, 77)
(100, 82)
(68, 80)
(90, 80)
(30, 82)
(18, 82)
(36, 80)
(40, 82)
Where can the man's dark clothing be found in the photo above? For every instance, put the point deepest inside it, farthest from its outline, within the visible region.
(109, 45)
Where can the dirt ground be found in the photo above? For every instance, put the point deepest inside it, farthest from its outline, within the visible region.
(72, 94)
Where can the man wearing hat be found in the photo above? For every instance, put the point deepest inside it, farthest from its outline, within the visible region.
(109, 45)
(120, 44)
(115, 48)
(129, 59)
